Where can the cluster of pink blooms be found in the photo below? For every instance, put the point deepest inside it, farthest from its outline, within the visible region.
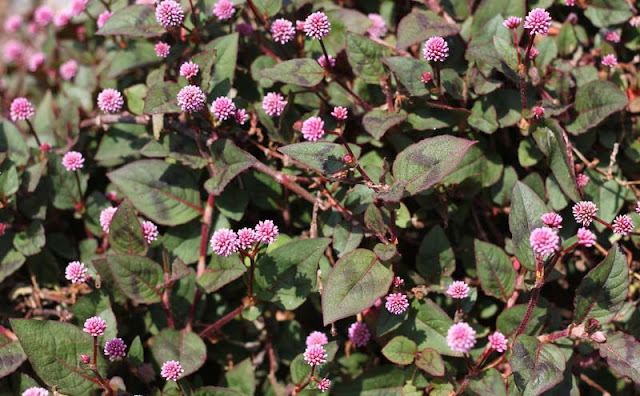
(35, 61)
(223, 9)
(538, 111)
(68, 70)
(497, 342)
(609, 60)
(458, 290)
(622, 225)
(322, 61)
(171, 370)
(586, 237)
(189, 70)
(110, 101)
(461, 337)
(76, 272)
(43, 15)
(13, 51)
(340, 113)
(273, 104)
(317, 25)
(313, 129)
(533, 53)
(241, 116)
(612, 36)
(512, 22)
(149, 231)
(282, 31)
(95, 326)
(21, 109)
(103, 18)
(582, 180)
(162, 49)
(552, 219)
(378, 26)
(315, 355)
(426, 77)
(544, 241)
(12, 23)
(538, 21)
(115, 348)
(584, 212)
(35, 391)
(359, 334)
(396, 303)
(191, 99)
(106, 216)
(169, 14)
(225, 242)
(223, 108)
(435, 49)
(72, 161)
(317, 338)
(324, 385)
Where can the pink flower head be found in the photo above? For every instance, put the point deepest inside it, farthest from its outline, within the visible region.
(398, 281)
(110, 101)
(426, 77)
(115, 348)
(162, 49)
(189, 70)
(62, 18)
(73, 161)
(378, 27)
(21, 109)
(241, 116)
(458, 290)
(612, 36)
(359, 334)
(538, 111)
(95, 326)
(315, 355)
(498, 342)
(622, 225)
(584, 212)
(69, 69)
(150, 231)
(43, 15)
(191, 99)
(106, 216)
(224, 242)
(533, 53)
(246, 238)
(35, 61)
(396, 303)
(273, 104)
(313, 129)
(569, 3)
(76, 272)
(245, 29)
(32, 27)
(538, 21)
(35, 391)
(317, 25)
(544, 241)
(13, 51)
(552, 219)
(324, 385)
(85, 358)
(224, 9)
(635, 21)
(171, 370)
(282, 31)
(512, 22)
(300, 26)
(317, 338)
(3, 228)
(103, 18)
(609, 60)
(435, 49)
(223, 108)
(586, 237)
(12, 23)
(582, 180)
(78, 6)
(45, 147)
(169, 14)
(461, 337)
(322, 61)
(340, 113)
(266, 231)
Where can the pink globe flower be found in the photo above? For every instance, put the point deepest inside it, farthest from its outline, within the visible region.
(162, 49)
(317, 25)
(224, 242)
(552, 219)
(223, 108)
(223, 9)
(635, 21)
(426, 77)
(171, 370)
(95, 326)
(584, 212)
(150, 231)
(538, 21)
(110, 101)
(45, 147)
(622, 225)
(313, 129)
(189, 70)
(586, 237)
(582, 180)
(13, 51)
(115, 348)
(315, 355)
(435, 49)
(241, 116)
(169, 14)
(609, 60)
(35, 61)
(32, 27)
(322, 61)
(317, 338)
(72, 161)
(246, 238)
(359, 334)
(35, 391)
(340, 113)
(12, 23)
(569, 3)
(266, 231)
(461, 337)
(282, 31)
(43, 15)
(538, 111)
(533, 53)
(273, 104)
(612, 36)
(62, 18)
(544, 241)
(78, 6)
(21, 109)
(76, 272)
(69, 69)
(498, 342)
(324, 385)
(106, 216)
(103, 18)
(378, 26)
(397, 303)
(191, 99)
(398, 281)
(512, 22)
(458, 290)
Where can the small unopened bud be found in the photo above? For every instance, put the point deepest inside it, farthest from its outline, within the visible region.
(426, 77)
(112, 195)
(45, 147)
(85, 359)
(592, 325)
(538, 111)
(598, 336)
(348, 160)
(3, 228)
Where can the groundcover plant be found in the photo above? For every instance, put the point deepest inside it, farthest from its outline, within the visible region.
(350, 197)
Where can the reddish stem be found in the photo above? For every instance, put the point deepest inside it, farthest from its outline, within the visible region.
(221, 322)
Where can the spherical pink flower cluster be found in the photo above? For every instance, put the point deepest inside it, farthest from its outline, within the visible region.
(398, 281)
(538, 111)
(315, 355)
(223, 108)
(21, 109)
(435, 49)
(322, 61)
(224, 242)
(612, 36)
(169, 14)
(282, 31)
(106, 216)
(317, 25)
(273, 104)
(533, 53)
(512, 22)
(397, 303)
(609, 60)
(150, 231)
(115, 348)
(43, 15)
(13, 51)
(69, 69)
(223, 9)
(552, 219)
(622, 225)
(313, 129)
(191, 99)
(12, 23)
(241, 116)
(340, 113)
(359, 334)
(317, 338)
(35, 61)
(73, 161)
(458, 290)
(171, 370)
(266, 231)
(586, 237)
(35, 391)
(426, 77)
(461, 337)
(498, 342)
(378, 26)
(103, 18)
(162, 49)
(110, 101)
(324, 385)
(189, 70)
(76, 272)
(538, 21)
(246, 238)
(62, 18)
(584, 212)
(582, 180)
(544, 241)
(95, 326)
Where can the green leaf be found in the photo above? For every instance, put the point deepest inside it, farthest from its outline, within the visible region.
(324, 157)
(622, 352)
(216, 391)
(379, 381)
(487, 383)
(435, 259)
(54, 350)
(8, 179)
(420, 25)
(125, 231)
(509, 320)
(179, 147)
(287, 274)
(242, 377)
(13, 143)
(10, 258)
(302, 72)
(135, 95)
(226, 48)
(507, 51)
(162, 98)
(165, 193)
(30, 241)
(183, 346)
(135, 356)
(228, 162)
(595, 101)
(365, 57)
(537, 367)
(136, 276)
(488, 9)
(355, 282)
(96, 303)
(400, 350)
(123, 61)
(430, 361)
(138, 20)
(604, 13)
(524, 217)
(268, 7)
(483, 117)
(205, 61)
(11, 356)
(495, 270)
(603, 291)
(378, 122)
(221, 271)
(408, 72)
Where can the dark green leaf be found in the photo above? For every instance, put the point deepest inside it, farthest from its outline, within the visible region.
(378, 122)
(365, 57)
(30, 241)
(495, 270)
(400, 350)
(435, 258)
(303, 72)
(430, 361)
(604, 13)
(229, 162)
(162, 98)
(221, 271)
(322, 156)
(420, 25)
(595, 101)
(11, 356)
(622, 352)
(136, 276)
(537, 367)
(226, 48)
(524, 217)
(125, 231)
(137, 20)
(185, 347)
